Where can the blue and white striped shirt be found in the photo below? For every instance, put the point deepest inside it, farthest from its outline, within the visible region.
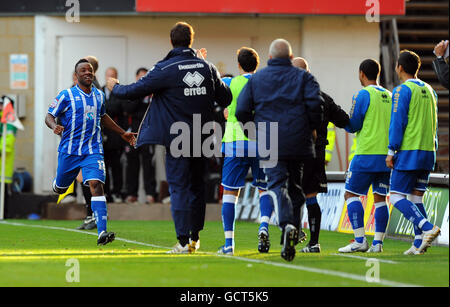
(80, 115)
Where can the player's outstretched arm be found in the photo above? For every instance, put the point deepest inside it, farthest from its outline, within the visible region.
(108, 123)
(50, 121)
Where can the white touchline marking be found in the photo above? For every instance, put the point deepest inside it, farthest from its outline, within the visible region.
(84, 232)
(283, 265)
(366, 258)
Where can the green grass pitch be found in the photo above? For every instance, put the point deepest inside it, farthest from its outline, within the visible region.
(35, 253)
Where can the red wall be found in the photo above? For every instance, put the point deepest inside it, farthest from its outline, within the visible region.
(308, 7)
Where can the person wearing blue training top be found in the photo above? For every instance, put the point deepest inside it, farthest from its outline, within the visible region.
(412, 148)
(369, 119)
(81, 113)
(240, 156)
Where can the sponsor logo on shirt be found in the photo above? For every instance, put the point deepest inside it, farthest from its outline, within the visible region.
(192, 79)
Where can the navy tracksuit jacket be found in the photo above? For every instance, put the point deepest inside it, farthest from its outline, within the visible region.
(182, 85)
(289, 96)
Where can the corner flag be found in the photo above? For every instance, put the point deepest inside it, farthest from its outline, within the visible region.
(9, 115)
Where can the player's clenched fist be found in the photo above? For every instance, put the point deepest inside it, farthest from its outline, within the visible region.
(58, 129)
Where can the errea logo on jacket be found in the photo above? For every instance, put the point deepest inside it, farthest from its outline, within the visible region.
(192, 79)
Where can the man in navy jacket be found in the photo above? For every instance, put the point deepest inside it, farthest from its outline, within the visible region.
(184, 87)
(289, 97)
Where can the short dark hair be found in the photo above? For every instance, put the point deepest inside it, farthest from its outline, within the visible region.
(79, 62)
(138, 71)
(248, 58)
(94, 62)
(410, 62)
(182, 35)
(371, 68)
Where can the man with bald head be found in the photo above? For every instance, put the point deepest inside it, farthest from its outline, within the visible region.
(314, 176)
(284, 102)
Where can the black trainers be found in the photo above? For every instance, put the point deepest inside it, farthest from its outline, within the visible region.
(105, 238)
(88, 223)
(302, 236)
(290, 237)
(263, 242)
(311, 249)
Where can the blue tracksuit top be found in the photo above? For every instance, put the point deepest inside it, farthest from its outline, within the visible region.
(182, 85)
(283, 94)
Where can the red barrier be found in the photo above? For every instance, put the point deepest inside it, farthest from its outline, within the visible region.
(318, 7)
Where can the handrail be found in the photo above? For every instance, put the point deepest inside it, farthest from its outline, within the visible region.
(435, 178)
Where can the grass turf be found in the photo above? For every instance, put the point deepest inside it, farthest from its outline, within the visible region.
(35, 253)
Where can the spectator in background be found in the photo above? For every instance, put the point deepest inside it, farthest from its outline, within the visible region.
(94, 62)
(135, 111)
(440, 64)
(113, 144)
(9, 153)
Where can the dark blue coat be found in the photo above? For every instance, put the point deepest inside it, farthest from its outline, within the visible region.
(182, 85)
(286, 95)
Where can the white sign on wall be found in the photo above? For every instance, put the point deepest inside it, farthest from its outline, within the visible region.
(18, 71)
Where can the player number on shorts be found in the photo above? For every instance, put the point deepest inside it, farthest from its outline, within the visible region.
(101, 165)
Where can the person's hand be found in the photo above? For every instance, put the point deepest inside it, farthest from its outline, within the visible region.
(58, 129)
(129, 137)
(314, 135)
(80, 177)
(110, 83)
(202, 53)
(440, 48)
(390, 161)
(225, 113)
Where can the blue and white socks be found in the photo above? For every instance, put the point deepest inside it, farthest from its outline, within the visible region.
(418, 201)
(228, 211)
(266, 209)
(411, 212)
(381, 222)
(355, 212)
(98, 205)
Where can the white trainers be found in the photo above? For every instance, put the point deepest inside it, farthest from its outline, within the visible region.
(226, 250)
(194, 245)
(413, 251)
(428, 238)
(378, 248)
(355, 247)
(178, 249)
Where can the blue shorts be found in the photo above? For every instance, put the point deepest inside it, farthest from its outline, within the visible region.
(235, 169)
(404, 182)
(359, 182)
(92, 168)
